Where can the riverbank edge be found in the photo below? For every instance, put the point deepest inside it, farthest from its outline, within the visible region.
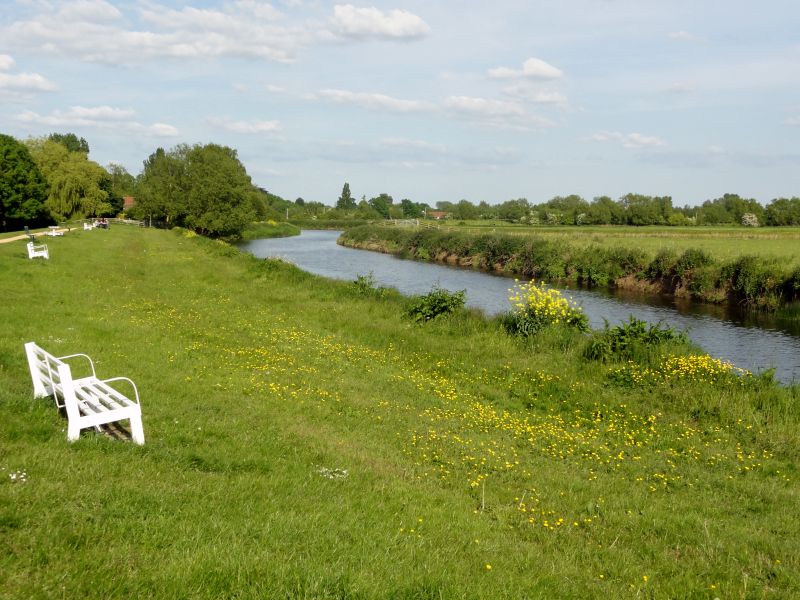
(751, 281)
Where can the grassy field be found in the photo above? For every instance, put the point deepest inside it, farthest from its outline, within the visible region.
(305, 441)
(722, 242)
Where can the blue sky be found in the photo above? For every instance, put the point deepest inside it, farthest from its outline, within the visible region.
(425, 100)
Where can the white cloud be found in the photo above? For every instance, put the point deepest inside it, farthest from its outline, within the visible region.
(96, 31)
(628, 140)
(15, 84)
(526, 92)
(25, 82)
(372, 101)
(496, 113)
(533, 68)
(94, 10)
(246, 126)
(350, 21)
(156, 129)
(100, 117)
(793, 120)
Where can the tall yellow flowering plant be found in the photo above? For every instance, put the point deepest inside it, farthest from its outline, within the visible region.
(534, 306)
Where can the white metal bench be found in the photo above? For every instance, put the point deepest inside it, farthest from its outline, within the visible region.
(88, 401)
(87, 227)
(35, 250)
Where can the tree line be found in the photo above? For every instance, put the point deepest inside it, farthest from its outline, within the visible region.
(631, 209)
(206, 188)
(202, 187)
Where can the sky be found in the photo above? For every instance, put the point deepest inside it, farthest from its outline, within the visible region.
(427, 100)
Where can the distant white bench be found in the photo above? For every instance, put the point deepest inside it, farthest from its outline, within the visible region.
(88, 401)
(35, 250)
(87, 227)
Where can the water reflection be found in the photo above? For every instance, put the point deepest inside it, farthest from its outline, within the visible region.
(751, 343)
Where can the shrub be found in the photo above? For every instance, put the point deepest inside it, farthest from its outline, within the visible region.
(692, 258)
(631, 340)
(757, 282)
(663, 265)
(365, 285)
(436, 303)
(535, 307)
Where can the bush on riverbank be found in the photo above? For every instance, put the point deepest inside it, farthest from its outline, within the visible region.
(752, 281)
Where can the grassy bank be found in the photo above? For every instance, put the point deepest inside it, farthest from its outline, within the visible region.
(305, 441)
(269, 229)
(763, 281)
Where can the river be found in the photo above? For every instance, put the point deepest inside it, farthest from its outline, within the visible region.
(753, 344)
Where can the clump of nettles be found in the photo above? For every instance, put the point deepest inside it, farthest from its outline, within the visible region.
(436, 303)
(535, 307)
(633, 340)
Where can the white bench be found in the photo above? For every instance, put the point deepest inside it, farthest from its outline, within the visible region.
(87, 227)
(35, 250)
(88, 401)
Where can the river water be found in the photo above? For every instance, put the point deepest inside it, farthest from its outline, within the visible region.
(754, 344)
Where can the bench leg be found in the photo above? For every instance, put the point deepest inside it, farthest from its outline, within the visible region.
(73, 431)
(137, 432)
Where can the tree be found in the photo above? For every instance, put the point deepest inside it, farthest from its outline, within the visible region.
(300, 202)
(217, 202)
(23, 188)
(411, 210)
(783, 211)
(346, 201)
(381, 204)
(70, 141)
(162, 186)
(465, 210)
(120, 184)
(513, 210)
(78, 186)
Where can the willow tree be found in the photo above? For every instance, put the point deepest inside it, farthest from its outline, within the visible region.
(78, 186)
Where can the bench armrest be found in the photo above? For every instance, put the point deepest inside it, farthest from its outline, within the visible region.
(85, 356)
(135, 391)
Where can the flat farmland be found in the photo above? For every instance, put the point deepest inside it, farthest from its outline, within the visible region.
(721, 242)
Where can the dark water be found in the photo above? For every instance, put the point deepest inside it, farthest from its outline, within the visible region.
(755, 345)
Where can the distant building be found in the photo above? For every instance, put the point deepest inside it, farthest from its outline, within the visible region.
(437, 215)
(128, 202)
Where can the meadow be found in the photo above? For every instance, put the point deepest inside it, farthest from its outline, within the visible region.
(304, 440)
(782, 243)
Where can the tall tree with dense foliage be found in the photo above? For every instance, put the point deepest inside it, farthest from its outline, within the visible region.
(70, 141)
(218, 200)
(382, 203)
(23, 188)
(783, 211)
(162, 186)
(78, 186)
(346, 200)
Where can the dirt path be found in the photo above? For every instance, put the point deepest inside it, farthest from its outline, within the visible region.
(25, 235)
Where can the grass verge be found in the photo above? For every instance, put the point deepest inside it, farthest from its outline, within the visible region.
(304, 441)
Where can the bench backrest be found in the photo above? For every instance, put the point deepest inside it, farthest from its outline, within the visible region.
(46, 373)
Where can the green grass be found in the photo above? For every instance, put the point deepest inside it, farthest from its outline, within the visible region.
(722, 242)
(269, 229)
(464, 448)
